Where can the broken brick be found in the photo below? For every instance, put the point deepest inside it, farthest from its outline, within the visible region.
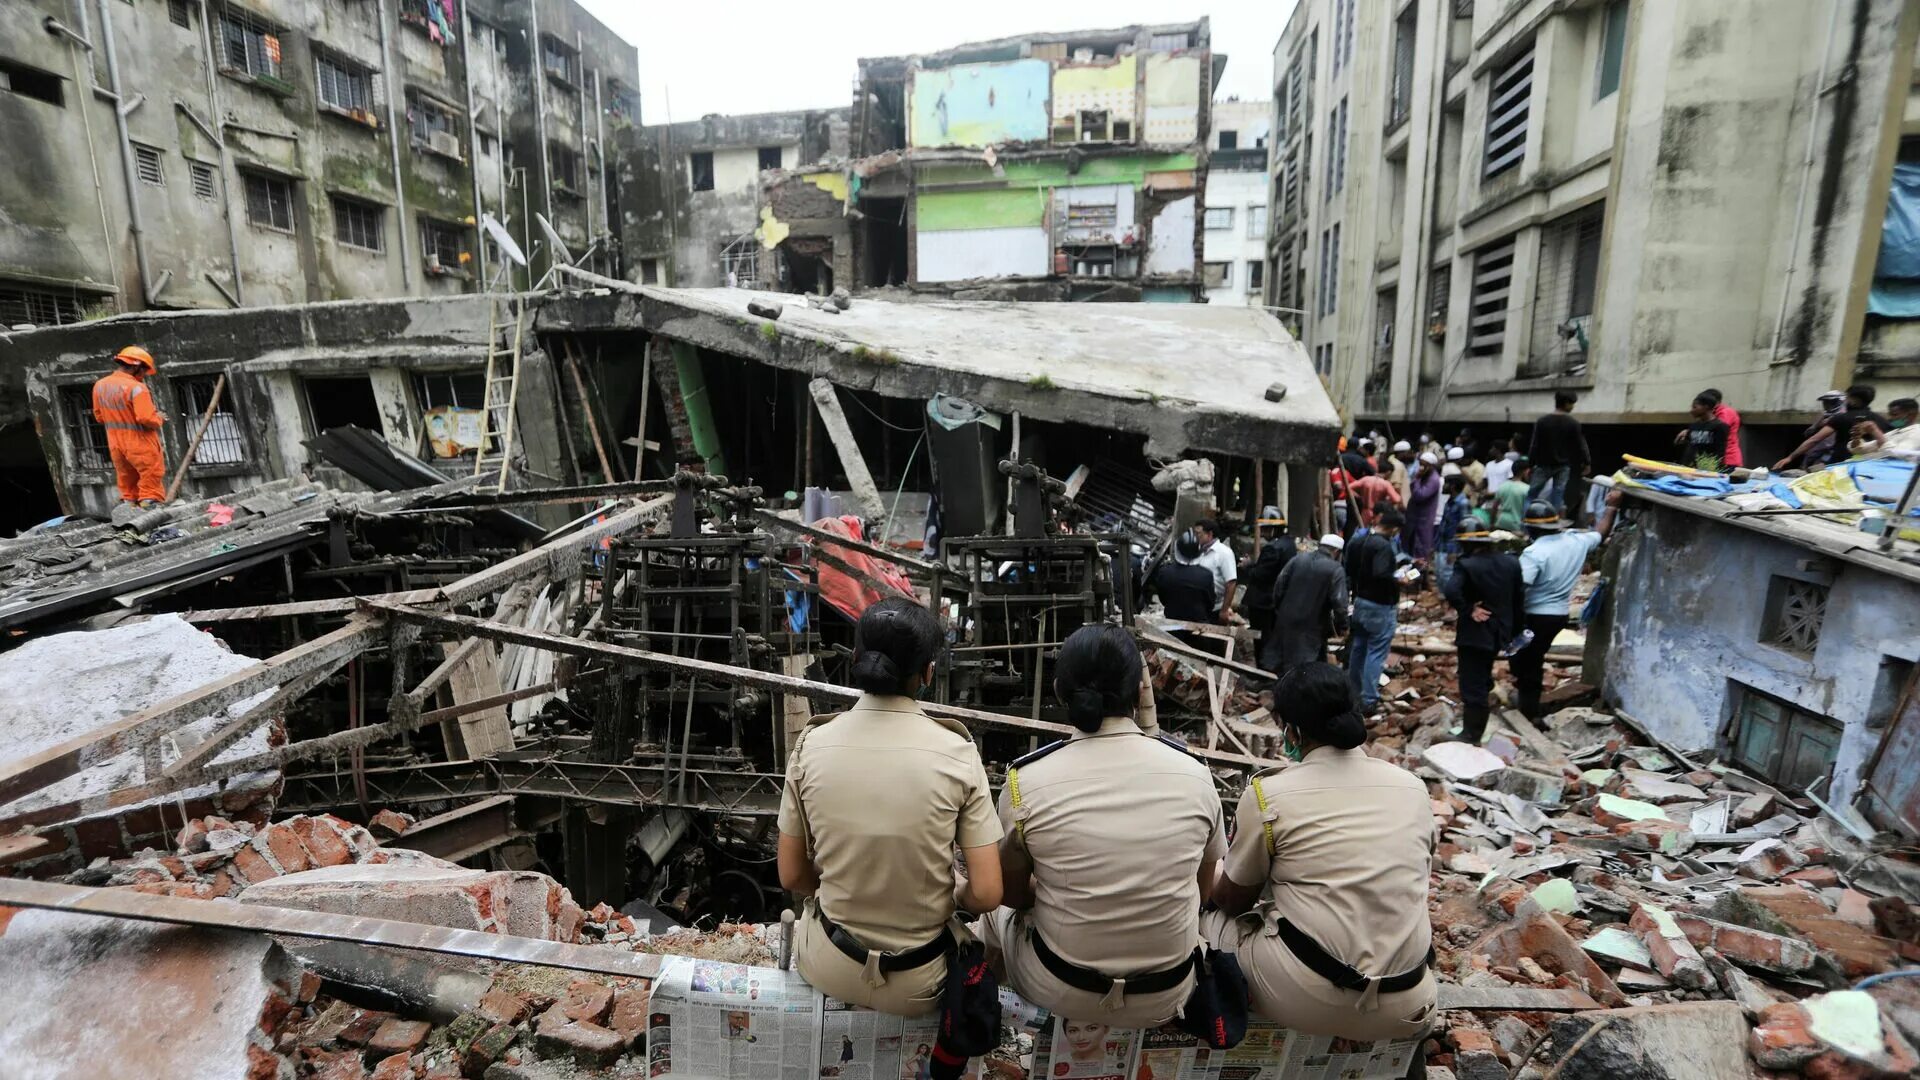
(1816, 877)
(324, 845)
(1673, 955)
(1748, 947)
(252, 866)
(587, 1001)
(388, 824)
(590, 1046)
(504, 1008)
(630, 1013)
(1666, 837)
(284, 845)
(1751, 811)
(1894, 918)
(1783, 1039)
(486, 1049)
(396, 1067)
(1769, 860)
(359, 1031)
(397, 1036)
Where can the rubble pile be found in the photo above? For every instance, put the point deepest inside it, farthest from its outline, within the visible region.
(216, 857)
(1683, 897)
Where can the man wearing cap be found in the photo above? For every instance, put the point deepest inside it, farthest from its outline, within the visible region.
(1396, 471)
(1309, 605)
(1260, 573)
(1549, 567)
(1217, 559)
(124, 407)
(1423, 508)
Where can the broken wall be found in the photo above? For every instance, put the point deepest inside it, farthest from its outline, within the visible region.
(1693, 645)
(979, 104)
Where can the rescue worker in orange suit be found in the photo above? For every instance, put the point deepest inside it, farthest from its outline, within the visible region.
(124, 406)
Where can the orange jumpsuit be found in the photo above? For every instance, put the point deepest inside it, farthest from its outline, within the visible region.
(124, 407)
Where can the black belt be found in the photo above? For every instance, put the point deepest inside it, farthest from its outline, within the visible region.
(1331, 968)
(918, 956)
(1094, 982)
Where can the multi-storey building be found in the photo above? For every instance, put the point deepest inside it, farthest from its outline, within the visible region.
(696, 196)
(1235, 223)
(1476, 204)
(1045, 167)
(226, 153)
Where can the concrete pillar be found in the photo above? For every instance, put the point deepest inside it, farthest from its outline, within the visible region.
(1303, 501)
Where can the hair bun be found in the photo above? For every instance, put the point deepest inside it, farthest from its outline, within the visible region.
(1086, 707)
(1347, 730)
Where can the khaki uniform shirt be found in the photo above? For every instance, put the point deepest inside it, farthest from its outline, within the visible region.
(1352, 848)
(1116, 825)
(883, 793)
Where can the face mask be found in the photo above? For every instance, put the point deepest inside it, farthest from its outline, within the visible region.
(1290, 744)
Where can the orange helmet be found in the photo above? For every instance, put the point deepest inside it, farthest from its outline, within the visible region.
(134, 354)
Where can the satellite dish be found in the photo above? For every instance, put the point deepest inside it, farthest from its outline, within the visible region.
(553, 240)
(502, 239)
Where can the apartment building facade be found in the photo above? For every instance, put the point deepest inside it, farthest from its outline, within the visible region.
(1234, 224)
(1477, 204)
(1044, 167)
(228, 153)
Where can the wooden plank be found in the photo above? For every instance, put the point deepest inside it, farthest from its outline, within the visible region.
(486, 732)
(1516, 998)
(305, 607)
(24, 776)
(529, 563)
(827, 401)
(234, 730)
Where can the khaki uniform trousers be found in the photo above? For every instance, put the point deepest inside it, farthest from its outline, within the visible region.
(1010, 932)
(1288, 992)
(914, 992)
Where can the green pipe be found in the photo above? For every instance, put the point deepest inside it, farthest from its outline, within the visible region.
(693, 398)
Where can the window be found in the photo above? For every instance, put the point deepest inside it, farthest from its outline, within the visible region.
(223, 444)
(269, 202)
(1564, 285)
(1093, 125)
(1613, 49)
(1509, 96)
(202, 176)
(1167, 42)
(177, 11)
(559, 59)
(1256, 274)
(248, 44)
(1400, 90)
(740, 263)
(700, 170)
(432, 125)
(1795, 609)
(442, 244)
(1219, 217)
(1342, 34)
(1290, 186)
(84, 434)
(22, 305)
(565, 164)
(649, 271)
(146, 163)
(451, 389)
(769, 158)
(1439, 295)
(31, 82)
(1256, 222)
(1487, 306)
(343, 84)
(1337, 152)
(1218, 275)
(1788, 746)
(1330, 271)
(1323, 359)
(359, 224)
(1229, 139)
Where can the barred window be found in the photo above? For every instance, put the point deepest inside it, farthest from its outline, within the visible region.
(269, 202)
(22, 305)
(559, 59)
(248, 43)
(84, 433)
(565, 164)
(178, 11)
(359, 224)
(343, 84)
(740, 262)
(224, 443)
(1563, 295)
(441, 243)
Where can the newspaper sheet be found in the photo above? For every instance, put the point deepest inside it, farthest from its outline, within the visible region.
(718, 1021)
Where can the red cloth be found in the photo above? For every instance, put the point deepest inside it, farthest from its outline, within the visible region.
(1725, 413)
(849, 595)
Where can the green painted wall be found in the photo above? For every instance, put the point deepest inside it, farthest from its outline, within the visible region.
(1000, 208)
(1030, 174)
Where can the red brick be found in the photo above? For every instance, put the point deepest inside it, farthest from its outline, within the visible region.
(221, 884)
(487, 1048)
(630, 1012)
(1465, 1039)
(192, 839)
(397, 1067)
(262, 1064)
(396, 1036)
(1748, 947)
(504, 1008)
(360, 1030)
(344, 1065)
(99, 836)
(324, 845)
(273, 1012)
(252, 866)
(284, 845)
(389, 824)
(1815, 877)
(587, 1002)
(1783, 1038)
(589, 1045)
(309, 988)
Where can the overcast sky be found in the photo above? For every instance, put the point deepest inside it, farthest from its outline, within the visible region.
(745, 56)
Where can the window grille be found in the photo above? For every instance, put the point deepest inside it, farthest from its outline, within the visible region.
(1563, 294)
(224, 443)
(248, 43)
(1487, 310)
(1509, 96)
(146, 162)
(85, 434)
(202, 175)
(22, 306)
(343, 84)
(359, 224)
(269, 202)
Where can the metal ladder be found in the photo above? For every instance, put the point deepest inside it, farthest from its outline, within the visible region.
(502, 392)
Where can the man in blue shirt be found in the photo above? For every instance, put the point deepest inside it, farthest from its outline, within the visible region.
(1550, 567)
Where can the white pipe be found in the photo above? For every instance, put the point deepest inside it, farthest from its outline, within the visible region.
(586, 186)
(126, 155)
(220, 144)
(539, 72)
(406, 235)
(1806, 176)
(473, 148)
(93, 156)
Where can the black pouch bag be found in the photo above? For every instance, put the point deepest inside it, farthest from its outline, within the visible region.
(969, 1011)
(1216, 1011)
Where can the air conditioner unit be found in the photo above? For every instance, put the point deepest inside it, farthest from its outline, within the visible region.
(444, 142)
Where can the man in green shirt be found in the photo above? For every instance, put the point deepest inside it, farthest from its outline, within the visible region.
(1511, 498)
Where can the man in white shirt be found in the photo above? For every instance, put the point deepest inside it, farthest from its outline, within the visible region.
(1219, 561)
(1500, 470)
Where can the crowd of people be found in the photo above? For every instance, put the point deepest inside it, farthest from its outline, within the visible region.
(879, 799)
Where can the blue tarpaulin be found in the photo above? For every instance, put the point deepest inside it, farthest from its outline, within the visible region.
(1896, 277)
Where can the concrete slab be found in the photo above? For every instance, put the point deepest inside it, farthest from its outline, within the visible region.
(90, 996)
(521, 903)
(1462, 761)
(1686, 1041)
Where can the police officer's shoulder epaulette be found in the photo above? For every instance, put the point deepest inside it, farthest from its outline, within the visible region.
(1274, 771)
(816, 721)
(1040, 753)
(1176, 743)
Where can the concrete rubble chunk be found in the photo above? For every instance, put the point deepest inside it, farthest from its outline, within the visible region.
(1557, 894)
(1620, 947)
(522, 903)
(1746, 946)
(1533, 786)
(1849, 1021)
(1462, 761)
(1673, 955)
(1768, 860)
(1691, 1040)
(1655, 788)
(1611, 810)
(1739, 987)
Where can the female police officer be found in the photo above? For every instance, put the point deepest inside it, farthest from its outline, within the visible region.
(876, 800)
(1341, 843)
(1109, 838)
